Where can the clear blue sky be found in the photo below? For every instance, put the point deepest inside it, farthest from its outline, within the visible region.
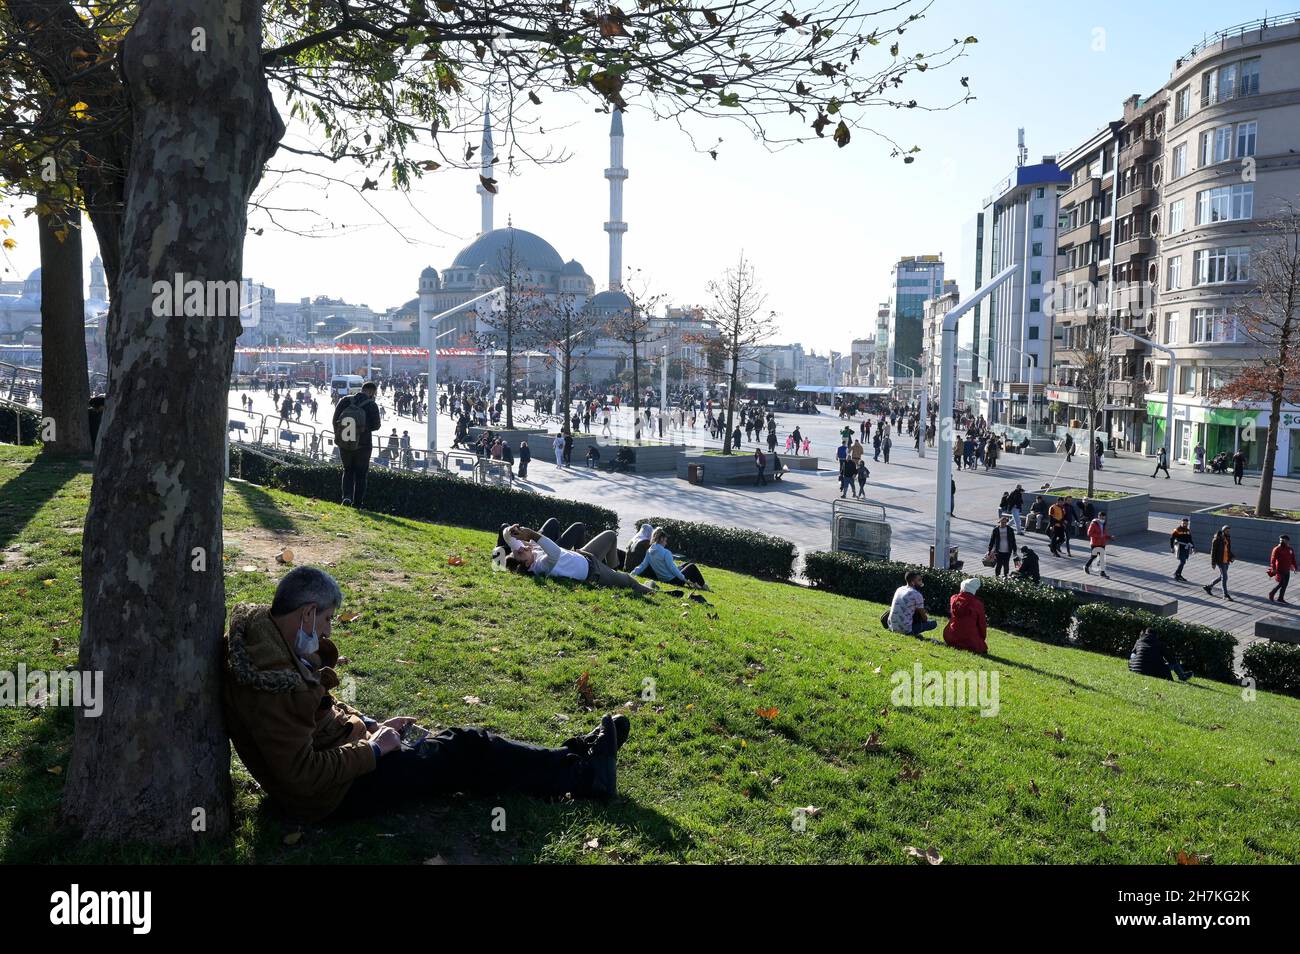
(822, 225)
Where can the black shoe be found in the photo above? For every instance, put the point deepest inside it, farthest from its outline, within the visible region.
(1180, 578)
(1105, 574)
(584, 744)
(1228, 598)
(604, 761)
(347, 501)
(1209, 590)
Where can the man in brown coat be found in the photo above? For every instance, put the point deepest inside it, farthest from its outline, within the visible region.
(318, 757)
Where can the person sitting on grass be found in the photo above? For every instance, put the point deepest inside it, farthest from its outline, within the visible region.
(1149, 658)
(659, 561)
(967, 627)
(596, 562)
(321, 759)
(906, 613)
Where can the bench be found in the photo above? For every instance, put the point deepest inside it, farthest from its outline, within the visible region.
(1095, 593)
(1279, 629)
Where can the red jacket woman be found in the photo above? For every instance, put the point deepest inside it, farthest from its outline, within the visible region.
(966, 627)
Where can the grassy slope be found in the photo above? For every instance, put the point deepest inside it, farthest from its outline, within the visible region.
(703, 778)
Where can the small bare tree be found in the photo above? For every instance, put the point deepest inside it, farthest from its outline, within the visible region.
(567, 329)
(1094, 373)
(738, 309)
(632, 328)
(506, 321)
(1267, 318)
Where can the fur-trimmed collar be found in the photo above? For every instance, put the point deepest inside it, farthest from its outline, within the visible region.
(257, 656)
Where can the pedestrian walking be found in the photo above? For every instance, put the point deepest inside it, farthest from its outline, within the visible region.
(863, 474)
(1097, 539)
(1002, 544)
(885, 445)
(1162, 463)
(525, 455)
(1221, 558)
(1015, 501)
(875, 442)
(558, 446)
(1180, 543)
(1238, 466)
(1281, 563)
(760, 464)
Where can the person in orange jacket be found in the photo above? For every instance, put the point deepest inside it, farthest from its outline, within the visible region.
(1097, 539)
(966, 627)
(1280, 564)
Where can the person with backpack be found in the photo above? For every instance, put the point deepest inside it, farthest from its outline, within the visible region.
(356, 418)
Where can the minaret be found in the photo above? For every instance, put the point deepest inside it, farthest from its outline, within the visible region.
(98, 287)
(485, 170)
(616, 226)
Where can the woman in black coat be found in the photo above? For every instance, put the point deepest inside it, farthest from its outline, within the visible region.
(525, 455)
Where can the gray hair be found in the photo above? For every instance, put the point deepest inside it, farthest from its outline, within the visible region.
(306, 585)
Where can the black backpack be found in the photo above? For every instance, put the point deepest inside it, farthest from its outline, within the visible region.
(352, 427)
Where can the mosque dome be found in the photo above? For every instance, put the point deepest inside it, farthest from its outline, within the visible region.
(609, 302)
(492, 248)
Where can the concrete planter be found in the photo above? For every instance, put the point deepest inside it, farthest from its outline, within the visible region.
(1252, 539)
(738, 468)
(650, 458)
(1124, 515)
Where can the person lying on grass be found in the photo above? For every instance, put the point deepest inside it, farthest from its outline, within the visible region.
(659, 561)
(596, 562)
(321, 759)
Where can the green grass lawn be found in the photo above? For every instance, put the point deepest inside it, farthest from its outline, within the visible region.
(1082, 492)
(704, 778)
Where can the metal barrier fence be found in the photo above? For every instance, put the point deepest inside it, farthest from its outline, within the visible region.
(318, 444)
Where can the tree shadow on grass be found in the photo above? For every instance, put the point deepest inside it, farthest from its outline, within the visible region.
(22, 498)
(265, 510)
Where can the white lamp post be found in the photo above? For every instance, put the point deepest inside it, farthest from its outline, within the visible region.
(944, 426)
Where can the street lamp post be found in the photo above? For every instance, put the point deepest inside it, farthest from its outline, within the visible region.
(947, 384)
(1027, 356)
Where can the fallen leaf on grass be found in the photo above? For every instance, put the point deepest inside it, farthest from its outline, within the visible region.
(1056, 734)
(873, 743)
(585, 692)
(768, 713)
(455, 560)
(591, 845)
(471, 700)
(1185, 858)
(1033, 787)
(1111, 764)
(292, 838)
(55, 770)
(810, 811)
(349, 616)
(877, 670)
(909, 773)
(930, 855)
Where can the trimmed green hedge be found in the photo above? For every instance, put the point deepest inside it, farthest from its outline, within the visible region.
(434, 497)
(1273, 666)
(1011, 604)
(18, 425)
(729, 548)
(1113, 630)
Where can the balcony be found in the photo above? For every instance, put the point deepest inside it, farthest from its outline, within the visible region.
(1133, 298)
(1135, 246)
(1135, 199)
(1079, 274)
(1124, 344)
(1079, 235)
(1142, 149)
(1085, 190)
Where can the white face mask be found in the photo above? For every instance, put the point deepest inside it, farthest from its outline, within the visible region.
(306, 643)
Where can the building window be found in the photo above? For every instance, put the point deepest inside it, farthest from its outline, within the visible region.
(1171, 327)
(1176, 217)
(1179, 161)
(1034, 304)
(1216, 145)
(1035, 277)
(1186, 380)
(1213, 326)
(1225, 204)
(1038, 221)
(1174, 273)
(1182, 103)
(1216, 266)
(1230, 81)
(1033, 329)
(1037, 249)
(1246, 135)
(1038, 194)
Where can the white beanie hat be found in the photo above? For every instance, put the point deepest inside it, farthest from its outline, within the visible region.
(971, 585)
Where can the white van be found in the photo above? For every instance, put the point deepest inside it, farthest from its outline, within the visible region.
(342, 385)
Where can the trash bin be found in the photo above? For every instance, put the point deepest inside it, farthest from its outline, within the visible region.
(695, 473)
(953, 562)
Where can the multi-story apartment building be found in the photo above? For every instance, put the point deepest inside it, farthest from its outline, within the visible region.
(882, 344)
(932, 333)
(1231, 161)
(1015, 334)
(862, 355)
(1135, 268)
(1084, 246)
(912, 280)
